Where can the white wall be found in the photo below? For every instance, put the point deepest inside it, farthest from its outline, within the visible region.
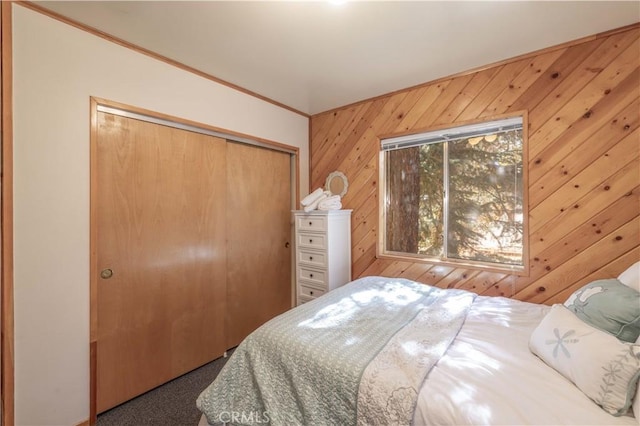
(56, 69)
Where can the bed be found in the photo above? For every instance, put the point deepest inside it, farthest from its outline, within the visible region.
(392, 351)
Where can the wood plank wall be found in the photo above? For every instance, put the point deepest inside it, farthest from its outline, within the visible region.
(583, 103)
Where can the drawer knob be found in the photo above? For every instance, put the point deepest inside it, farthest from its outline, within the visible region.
(310, 257)
(310, 241)
(310, 223)
(310, 275)
(311, 293)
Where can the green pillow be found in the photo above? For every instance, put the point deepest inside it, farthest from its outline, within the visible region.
(609, 306)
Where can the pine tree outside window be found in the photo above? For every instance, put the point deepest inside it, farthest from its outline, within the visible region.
(456, 195)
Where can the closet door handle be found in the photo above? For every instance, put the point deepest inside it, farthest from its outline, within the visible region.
(105, 274)
(286, 244)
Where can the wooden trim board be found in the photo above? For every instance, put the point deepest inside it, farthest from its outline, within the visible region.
(7, 322)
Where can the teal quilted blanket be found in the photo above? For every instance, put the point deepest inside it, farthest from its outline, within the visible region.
(357, 355)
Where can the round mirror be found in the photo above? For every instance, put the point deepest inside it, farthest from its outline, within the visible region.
(337, 183)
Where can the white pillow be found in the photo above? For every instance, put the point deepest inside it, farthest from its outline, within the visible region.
(631, 277)
(601, 366)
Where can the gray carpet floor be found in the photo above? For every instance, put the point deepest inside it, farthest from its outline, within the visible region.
(172, 404)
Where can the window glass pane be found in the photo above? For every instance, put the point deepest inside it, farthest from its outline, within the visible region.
(414, 203)
(402, 200)
(485, 214)
(431, 230)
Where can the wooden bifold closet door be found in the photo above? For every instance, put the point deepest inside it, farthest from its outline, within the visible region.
(184, 229)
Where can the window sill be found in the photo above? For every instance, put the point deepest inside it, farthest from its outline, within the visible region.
(520, 271)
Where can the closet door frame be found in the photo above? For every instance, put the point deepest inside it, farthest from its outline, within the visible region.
(7, 385)
(103, 105)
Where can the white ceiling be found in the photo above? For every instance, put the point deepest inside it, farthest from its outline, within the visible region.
(315, 56)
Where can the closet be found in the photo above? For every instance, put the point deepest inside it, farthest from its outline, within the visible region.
(258, 238)
(190, 249)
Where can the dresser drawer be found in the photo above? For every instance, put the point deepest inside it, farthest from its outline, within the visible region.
(312, 258)
(309, 291)
(317, 241)
(311, 223)
(312, 276)
(303, 299)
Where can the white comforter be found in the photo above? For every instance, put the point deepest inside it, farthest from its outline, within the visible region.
(489, 376)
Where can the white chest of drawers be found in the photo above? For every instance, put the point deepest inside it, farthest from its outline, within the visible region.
(323, 252)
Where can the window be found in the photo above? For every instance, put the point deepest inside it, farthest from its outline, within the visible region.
(456, 194)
